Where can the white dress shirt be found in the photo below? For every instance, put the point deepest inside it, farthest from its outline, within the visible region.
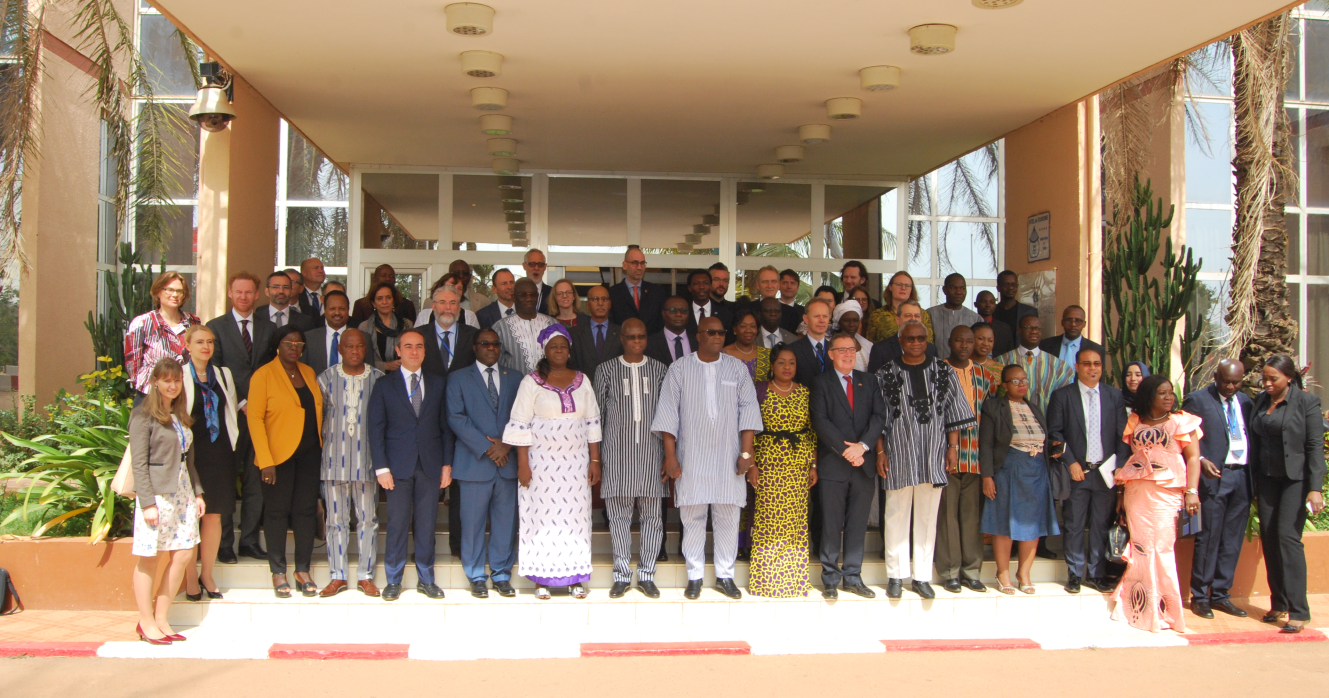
(698, 309)
(484, 377)
(333, 358)
(1091, 398)
(1030, 353)
(1237, 450)
(284, 313)
(770, 339)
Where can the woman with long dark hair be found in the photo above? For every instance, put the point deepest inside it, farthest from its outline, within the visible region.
(381, 328)
(1287, 450)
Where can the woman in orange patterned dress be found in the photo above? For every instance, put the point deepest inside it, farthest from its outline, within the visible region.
(1161, 477)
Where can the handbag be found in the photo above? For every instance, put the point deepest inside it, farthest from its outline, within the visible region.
(123, 482)
(7, 592)
(1119, 541)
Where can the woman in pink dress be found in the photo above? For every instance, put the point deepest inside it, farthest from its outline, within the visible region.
(1161, 476)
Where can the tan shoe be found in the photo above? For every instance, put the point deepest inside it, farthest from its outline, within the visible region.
(367, 587)
(333, 588)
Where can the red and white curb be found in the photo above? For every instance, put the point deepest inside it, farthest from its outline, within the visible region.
(215, 649)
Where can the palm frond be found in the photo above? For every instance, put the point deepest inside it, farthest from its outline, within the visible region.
(23, 26)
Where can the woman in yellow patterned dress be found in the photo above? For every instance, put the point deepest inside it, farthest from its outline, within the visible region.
(785, 468)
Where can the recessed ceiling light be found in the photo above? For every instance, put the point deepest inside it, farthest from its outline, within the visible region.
(496, 124)
(710, 219)
(770, 171)
(489, 98)
(510, 183)
(932, 39)
(841, 108)
(814, 133)
(502, 147)
(469, 18)
(507, 166)
(789, 153)
(996, 4)
(481, 64)
(879, 77)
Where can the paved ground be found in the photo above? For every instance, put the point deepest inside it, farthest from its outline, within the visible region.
(1235, 670)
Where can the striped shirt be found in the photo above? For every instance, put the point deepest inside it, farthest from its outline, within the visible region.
(1046, 373)
(345, 404)
(520, 339)
(631, 453)
(923, 403)
(977, 384)
(150, 339)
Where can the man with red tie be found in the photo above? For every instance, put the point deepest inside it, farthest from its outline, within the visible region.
(634, 297)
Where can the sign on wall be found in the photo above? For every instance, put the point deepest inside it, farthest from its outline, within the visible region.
(1040, 242)
(1039, 289)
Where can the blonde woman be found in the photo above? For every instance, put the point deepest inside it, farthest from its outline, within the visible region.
(564, 305)
(169, 499)
(884, 321)
(158, 333)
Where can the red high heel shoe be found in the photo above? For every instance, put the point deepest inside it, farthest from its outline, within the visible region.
(151, 641)
(176, 637)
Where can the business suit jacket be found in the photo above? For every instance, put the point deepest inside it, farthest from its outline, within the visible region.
(1303, 437)
(995, 430)
(1207, 404)
(725, 314)
(584, 356)
(491, 314)
(1052, 345)
(229, 415)
(472, 418)
(154, 451)
(1066, 423)
(622, 309)
(889, 349)
(276, 419)
(463, 343)
(295, 319)
(316, 348)
(835, 423)
(398, 438)
(545, 292)
(792, 316)
(229, 348)
(305, 299)
(659, 347)
(785, 336)
(809, 367)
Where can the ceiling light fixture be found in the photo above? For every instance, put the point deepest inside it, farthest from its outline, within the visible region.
(469, 18)
(932, 39)
(710, 219)
(489, 98)
(684, 247)
(841, 108)
(481, 64)
(789, 153)
(879, 77)
(502, 147)
(701, 229)
(692, 238)
(770, 171)
(753, 187)
(496, 124)
(996, 4)
(812, 134)
(510, 183)
(507, 166)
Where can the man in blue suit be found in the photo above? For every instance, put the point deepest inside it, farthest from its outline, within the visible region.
(479, 403)
(1225, 491)
(411, 447)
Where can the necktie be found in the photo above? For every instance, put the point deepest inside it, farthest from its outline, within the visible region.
(416, 397)
(313, 303)
(281, 318)
(599, 338)
(1029, 357)
(701, 313)
(493, 389)
(445, 346)
(821, 354)
(1233, 429)
(1093, 431)
(509, 311)
(333, 357)
(678, 347)
(249, 341)
(849, 391)
(636, 296)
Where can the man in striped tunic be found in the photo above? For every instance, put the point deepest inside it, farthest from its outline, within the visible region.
(1046, 372)
(708, 416)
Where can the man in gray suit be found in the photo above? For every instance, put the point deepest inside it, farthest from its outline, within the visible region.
(770, 313)
(243, 337)
(480, 398)
(321, 343)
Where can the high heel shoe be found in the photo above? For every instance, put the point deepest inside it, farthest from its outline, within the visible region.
(213, 595)
(151, 641)
(176, 637)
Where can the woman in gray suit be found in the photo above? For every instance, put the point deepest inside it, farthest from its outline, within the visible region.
(169, 499)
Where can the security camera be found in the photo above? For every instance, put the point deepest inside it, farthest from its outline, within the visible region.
(212, 109)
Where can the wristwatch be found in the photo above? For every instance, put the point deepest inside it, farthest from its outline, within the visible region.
(745, 455)
(1194, 492)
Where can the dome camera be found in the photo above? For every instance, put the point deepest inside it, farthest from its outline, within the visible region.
(212, 108)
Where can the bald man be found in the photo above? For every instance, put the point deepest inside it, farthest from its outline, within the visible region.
(312, 277)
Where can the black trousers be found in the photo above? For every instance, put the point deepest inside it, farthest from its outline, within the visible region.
(845, 507)
(1282, 506)
(1225, 506)
(454, 518)
(251, 495)
(292, 501)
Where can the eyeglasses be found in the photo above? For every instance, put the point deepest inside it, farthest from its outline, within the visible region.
(536, 265)
(632, 263)
(173, 291)
(912, 340)
(489, 345)
(902, 284)
(713, 333)
(676, 311)
(1017, 382)
(297, 345)
(844, 350)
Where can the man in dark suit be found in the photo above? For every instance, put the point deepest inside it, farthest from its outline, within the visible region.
(813, 350)
(1225, 491)
(449, 346)
(1068, 344)
(411, 447)
(1009, 310)
(770, 313)
(505, 303)
(848, 413)
(789, 285)
(1086, 420)
(321, 343)
(242, 341)
(636, 297)
(719, 283)
(279, 310)
(675, 340)
(700, 305)
(480, 397)
(768, 286)
(534, 264)
(889, 349)
(1003, 335)
(597, 341)
(307, 297)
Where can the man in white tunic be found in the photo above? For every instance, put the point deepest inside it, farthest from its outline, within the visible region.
(520, 333)
(708, 416)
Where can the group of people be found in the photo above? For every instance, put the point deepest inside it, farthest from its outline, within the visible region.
(781, 428)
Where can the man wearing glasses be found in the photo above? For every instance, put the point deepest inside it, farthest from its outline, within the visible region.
(1067, 346)
(1046, 372)
(279, 308)
(534, 264)
(595, 342)
(634, 297)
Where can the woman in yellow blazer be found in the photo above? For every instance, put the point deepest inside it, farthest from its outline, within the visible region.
(285, 413)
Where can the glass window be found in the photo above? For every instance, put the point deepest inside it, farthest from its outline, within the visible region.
(1317, 336)
(673, 209)
(310, 175)
(588, 214)
(773, 219)
(400, 211)
(166, 132)
(181, 233)
(1293, 223)
(1209, 234)
(316, 232)
(889, 223)
(1209, 154)
(1211, 73)
(1317, 55)
(1294, 119)
(1316, 132)
(968, 186)
(920, 250)
(969, 249)
(852, 215)
(920, 197)
(1211, 303)
(1293, 91)
(107, 251)
(163, 51)
(486, 209)
(1317, 248)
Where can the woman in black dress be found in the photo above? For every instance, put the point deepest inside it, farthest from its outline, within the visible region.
(210, 400)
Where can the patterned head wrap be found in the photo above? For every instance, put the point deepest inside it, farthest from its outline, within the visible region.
(554, 330)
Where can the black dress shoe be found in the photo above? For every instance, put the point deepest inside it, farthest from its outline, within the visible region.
(430, 590)
(952, 585)
(226, 556)
(829, 593)
(479, 590)
(859, 589)
(1273, 617)
(1044, 552)
(648, 588)
(392, 592)
(1201, 608)
(504, 588)
(744, 555)
(663, 556)
(1072, 584)
(693, 589)
(618, 590)
(727, 587)
(253, 551)
(1227, 607)
(894, 588)
(923, 589)
(1100, 584)
(974, 585)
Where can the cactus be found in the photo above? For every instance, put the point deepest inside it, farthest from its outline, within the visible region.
(128, 295)
(1145, 298)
